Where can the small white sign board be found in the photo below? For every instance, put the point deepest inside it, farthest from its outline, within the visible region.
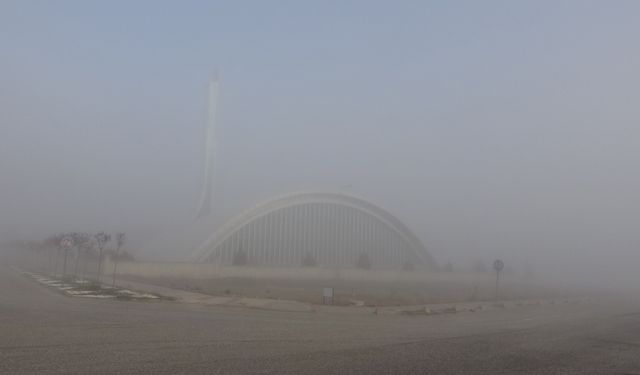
(327, 296)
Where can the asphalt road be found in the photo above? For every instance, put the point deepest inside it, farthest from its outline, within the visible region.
(44, 332)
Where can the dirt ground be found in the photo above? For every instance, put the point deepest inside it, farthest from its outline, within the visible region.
(437, 288)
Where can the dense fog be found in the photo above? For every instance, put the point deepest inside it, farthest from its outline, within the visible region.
(505, 131)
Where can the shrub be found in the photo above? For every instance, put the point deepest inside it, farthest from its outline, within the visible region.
(240, 258)
(364, 261)
(479, 267)
(309, 260)
(448, 267)
(408, 266)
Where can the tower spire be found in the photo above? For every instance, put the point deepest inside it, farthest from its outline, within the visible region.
(206, 197)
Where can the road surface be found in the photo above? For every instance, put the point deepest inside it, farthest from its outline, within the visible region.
(44, 332)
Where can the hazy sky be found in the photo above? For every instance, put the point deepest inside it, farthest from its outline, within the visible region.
(492, 128)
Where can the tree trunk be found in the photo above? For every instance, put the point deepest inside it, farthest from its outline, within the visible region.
(99, 264)
(64, 264)
(75, 268)
(115, 266)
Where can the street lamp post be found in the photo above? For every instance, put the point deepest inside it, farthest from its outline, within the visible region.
(498, 265)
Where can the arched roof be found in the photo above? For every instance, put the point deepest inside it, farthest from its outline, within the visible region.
(299, 198)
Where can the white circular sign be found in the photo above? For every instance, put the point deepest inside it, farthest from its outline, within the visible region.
(498, 265)
(66, 243)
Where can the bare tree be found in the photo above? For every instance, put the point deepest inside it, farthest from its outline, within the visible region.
(86, 253)
(101, 240)
(57, 239)
(80, 241)
(51, 243)
(479, 267)
(448, 267)
(119, 244)
(67, 244)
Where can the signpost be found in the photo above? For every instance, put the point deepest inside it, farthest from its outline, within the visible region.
(101, 239)
(498, 265)
(66, 244)
(120, 243)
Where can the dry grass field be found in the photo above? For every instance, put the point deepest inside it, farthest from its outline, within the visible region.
(436, 287)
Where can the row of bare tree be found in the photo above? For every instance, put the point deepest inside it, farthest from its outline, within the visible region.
(84, 247)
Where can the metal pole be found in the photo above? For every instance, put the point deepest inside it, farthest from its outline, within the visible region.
(50, 259)
(115, 267)
(77, 260)
(83, 271)
(55, 266)
(497, 284)
(99, 263)
(295, 233)
(64, 265)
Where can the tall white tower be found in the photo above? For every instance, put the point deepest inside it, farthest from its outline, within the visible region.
(206, 198)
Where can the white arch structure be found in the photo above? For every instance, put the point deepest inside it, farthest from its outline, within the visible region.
(333, 227)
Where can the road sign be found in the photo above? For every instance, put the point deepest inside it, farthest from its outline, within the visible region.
(327, 296)
(498, 265)
(66, 243)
